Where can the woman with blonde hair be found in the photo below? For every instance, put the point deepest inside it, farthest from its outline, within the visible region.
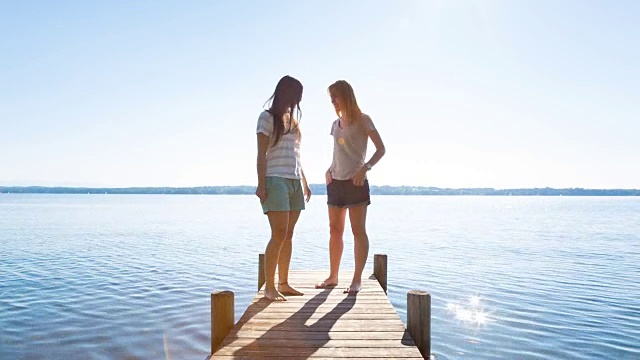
(282, 185)
(347, 184)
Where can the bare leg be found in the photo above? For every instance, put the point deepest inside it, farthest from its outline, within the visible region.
(278, 220)
(336, 245)
(358, 217)
(285, 258)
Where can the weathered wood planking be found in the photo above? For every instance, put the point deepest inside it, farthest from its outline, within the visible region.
(322, 324)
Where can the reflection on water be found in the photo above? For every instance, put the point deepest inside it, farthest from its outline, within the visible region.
(472, 313)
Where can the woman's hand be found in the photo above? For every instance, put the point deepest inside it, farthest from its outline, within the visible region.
(261, 192)
(358, 177)
(307, 193)
(327, 177)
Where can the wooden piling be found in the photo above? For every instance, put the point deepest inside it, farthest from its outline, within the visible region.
(380, 270)
(261, 276)
(222, 317)
(419, 320)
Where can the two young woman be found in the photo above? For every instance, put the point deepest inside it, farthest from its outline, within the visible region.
(282, 186)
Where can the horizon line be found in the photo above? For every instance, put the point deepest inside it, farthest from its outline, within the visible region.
(315, 185)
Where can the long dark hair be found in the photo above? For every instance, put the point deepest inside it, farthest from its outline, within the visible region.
(286, 97)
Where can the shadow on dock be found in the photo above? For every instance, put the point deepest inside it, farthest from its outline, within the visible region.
(297, 323)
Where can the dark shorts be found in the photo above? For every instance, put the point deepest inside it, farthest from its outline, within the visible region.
(343, 194)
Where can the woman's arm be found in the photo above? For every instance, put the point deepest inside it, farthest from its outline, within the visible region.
(307, 190)
(380, 149)
(358, 178)
(261, 164)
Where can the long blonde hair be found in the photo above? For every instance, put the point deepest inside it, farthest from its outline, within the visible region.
(344, 91)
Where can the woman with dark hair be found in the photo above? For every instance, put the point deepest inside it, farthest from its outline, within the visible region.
(282, 186)
(347, 184)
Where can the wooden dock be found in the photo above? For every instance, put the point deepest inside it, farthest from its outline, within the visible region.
(322, 324)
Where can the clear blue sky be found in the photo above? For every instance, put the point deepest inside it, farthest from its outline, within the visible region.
(464, 93)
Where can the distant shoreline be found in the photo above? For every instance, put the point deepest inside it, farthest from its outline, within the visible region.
(320, 189)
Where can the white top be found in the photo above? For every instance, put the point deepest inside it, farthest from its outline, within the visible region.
(350, 147)
(283, 159)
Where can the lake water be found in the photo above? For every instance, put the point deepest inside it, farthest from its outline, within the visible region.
(130, 276)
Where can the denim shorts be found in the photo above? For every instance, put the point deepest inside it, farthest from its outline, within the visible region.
(283, 195)
(343, 194)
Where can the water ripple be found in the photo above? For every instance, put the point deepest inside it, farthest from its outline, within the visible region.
(112, 277)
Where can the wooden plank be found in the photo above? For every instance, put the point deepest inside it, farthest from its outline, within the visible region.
(332, 335)
(258, 357)
(309, 316)
(311, 280)
(322, 308)
(368, 288)
(315, 306)
(326, 325)
(317, 342)
(333, 294)
(407, 351)
(331, 300)
(299, 308)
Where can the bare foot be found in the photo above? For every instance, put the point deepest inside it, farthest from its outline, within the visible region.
(327, 283)
(286, 289)
(274, 295)
(354, 288)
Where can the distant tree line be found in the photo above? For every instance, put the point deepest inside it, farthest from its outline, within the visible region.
(413, 190)
(202, 190)
(320, 189)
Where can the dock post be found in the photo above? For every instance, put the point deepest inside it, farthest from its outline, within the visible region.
(222, 317)
(419, 320)
(380, 270)
(260, 271)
